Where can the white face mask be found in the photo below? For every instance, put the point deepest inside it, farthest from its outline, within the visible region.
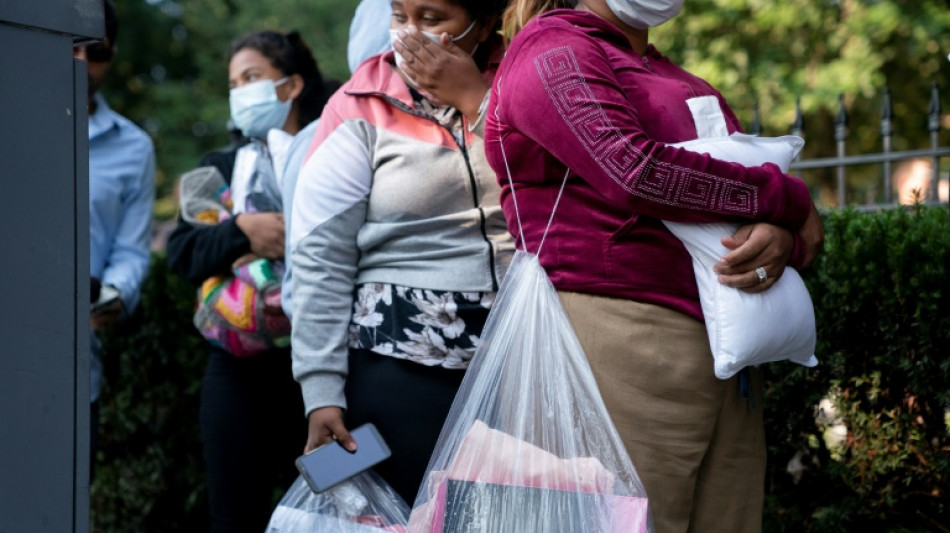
(256, 109)
(643, 14)
(434, 37)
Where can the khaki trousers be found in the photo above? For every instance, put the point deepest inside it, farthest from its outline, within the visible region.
(697, 444)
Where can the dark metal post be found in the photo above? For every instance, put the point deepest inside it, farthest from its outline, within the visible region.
(934, 127)
(841, 135)
(798, 128)
(756, 128)
(44, 356)
(887, 131)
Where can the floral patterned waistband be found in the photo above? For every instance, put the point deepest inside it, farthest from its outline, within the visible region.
(421, 325)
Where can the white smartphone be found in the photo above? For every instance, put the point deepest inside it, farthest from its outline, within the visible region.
(107, 295)
(331, 464)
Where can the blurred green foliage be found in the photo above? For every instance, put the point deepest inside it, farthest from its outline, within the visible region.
(170, 72)
(774, 52)
(170, 75)
(148, 473)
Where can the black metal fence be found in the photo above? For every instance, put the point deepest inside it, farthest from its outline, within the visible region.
(886, 157)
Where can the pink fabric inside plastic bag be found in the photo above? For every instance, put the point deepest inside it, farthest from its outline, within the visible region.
(491, 456)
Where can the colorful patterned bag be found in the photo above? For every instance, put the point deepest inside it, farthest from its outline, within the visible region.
(241, 312)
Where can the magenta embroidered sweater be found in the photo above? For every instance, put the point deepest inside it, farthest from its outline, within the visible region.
(572, 93)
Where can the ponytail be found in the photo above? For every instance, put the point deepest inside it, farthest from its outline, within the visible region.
(520, 12)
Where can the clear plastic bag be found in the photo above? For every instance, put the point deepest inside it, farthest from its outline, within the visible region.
(364, 504)
(528, 445)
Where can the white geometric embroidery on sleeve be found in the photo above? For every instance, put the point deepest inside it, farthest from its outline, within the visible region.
(638, 175)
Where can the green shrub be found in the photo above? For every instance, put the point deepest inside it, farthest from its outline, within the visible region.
(882, 301)
(148, 472)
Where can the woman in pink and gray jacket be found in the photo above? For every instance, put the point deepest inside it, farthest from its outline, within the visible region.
(398, 242)
(582, 89)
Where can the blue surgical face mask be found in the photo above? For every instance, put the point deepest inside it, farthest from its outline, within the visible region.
(434, 37)
(256, 109)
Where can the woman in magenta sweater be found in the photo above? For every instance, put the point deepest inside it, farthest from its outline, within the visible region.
(582, 89)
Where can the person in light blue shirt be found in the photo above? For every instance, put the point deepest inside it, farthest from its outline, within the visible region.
(121, 195)
(369, 31)
(369, 35)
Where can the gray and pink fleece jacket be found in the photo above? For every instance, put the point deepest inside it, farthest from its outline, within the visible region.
(386, 194)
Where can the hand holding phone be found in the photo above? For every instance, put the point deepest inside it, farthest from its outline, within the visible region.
(325, 424)
(331, 464)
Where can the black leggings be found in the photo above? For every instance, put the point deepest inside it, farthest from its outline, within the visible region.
(408, 403)
(252, 429)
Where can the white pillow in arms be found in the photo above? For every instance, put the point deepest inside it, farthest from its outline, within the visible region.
(748, 329)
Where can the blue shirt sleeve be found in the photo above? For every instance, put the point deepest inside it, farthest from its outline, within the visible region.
(295, 157)
(369, 31)
(128, 260)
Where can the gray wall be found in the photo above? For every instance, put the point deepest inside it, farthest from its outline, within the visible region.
(44, 256)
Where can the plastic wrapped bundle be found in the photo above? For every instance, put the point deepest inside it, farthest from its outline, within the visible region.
(364, 504)
(205, 197)
(528, 445)
(240, 312)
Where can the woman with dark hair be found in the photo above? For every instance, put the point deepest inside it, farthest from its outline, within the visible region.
(398, 242)
(289, 56)
(584, 102)
(250, 422)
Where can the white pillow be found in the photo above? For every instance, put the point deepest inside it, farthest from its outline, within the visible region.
(748, 329)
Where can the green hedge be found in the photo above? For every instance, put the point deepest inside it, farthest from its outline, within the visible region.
(148, 472)
(882, 299)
